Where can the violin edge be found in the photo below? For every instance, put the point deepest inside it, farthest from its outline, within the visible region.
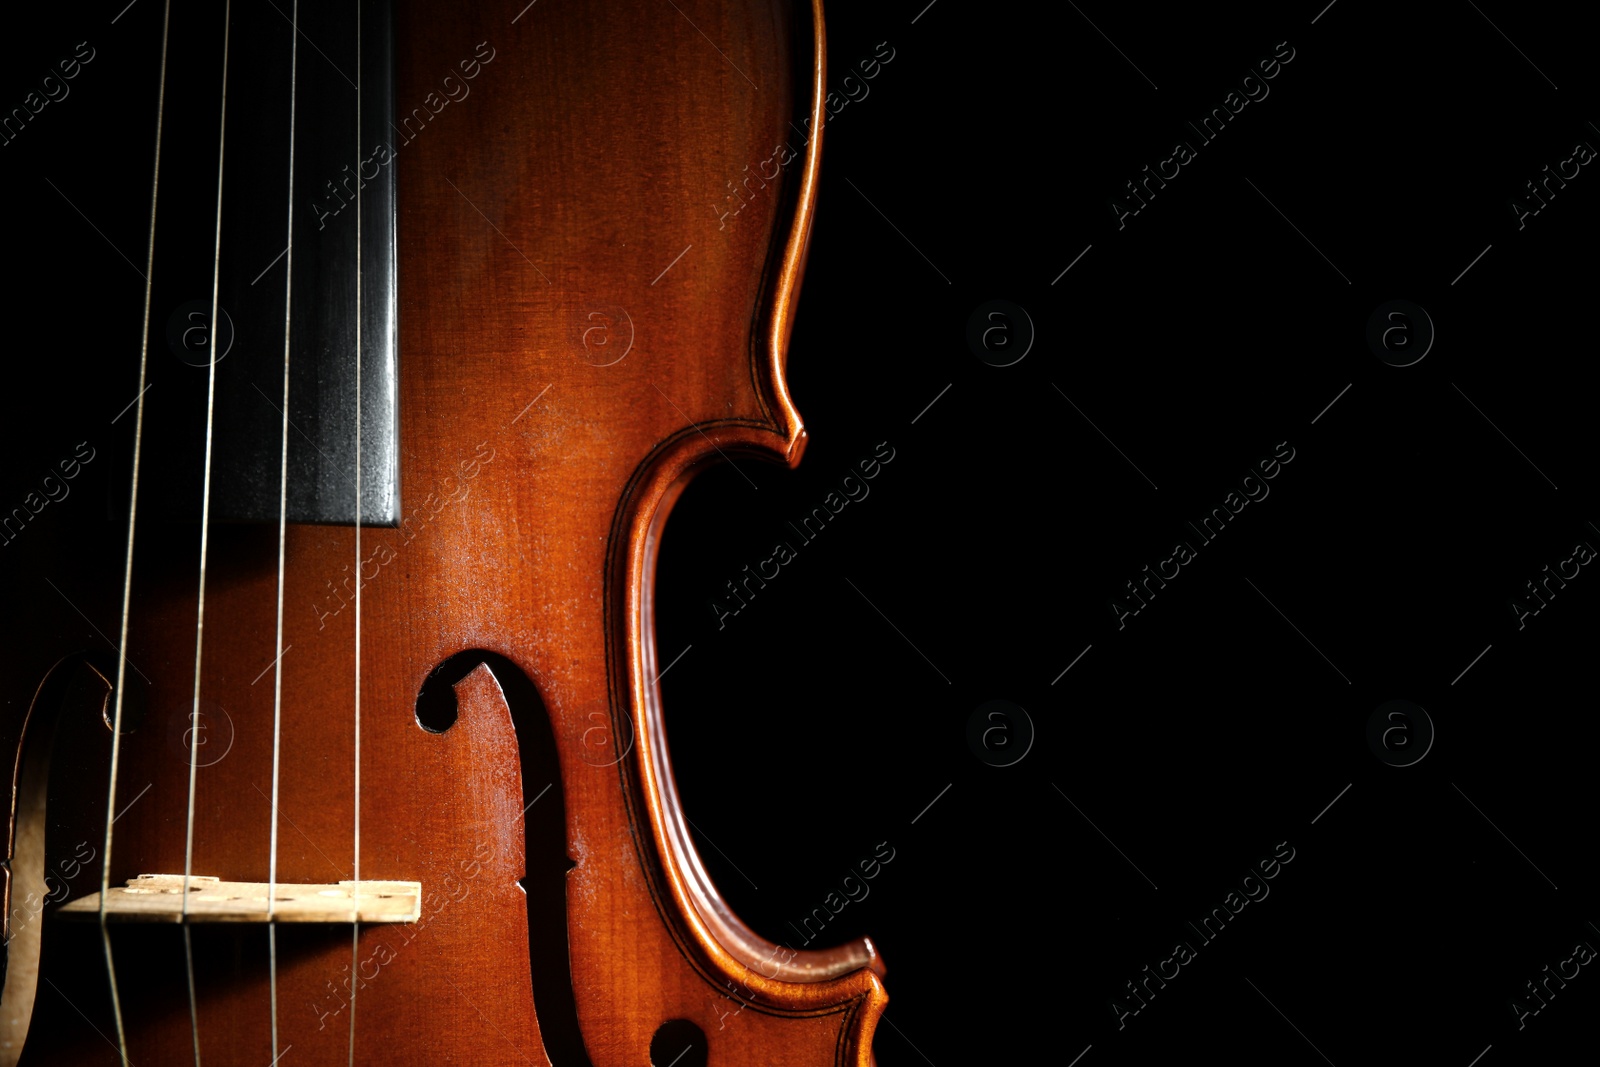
(845, 978)
(785, 291)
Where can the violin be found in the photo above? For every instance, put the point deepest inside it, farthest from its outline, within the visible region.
(336, 729)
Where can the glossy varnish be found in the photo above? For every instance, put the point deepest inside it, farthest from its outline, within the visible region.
(583, 324)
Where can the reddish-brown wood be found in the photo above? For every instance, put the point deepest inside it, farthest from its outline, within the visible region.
(585, 175)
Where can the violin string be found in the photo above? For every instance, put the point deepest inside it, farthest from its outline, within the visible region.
(127, 570)
(355, 894)
(205, 529)
(283, 511)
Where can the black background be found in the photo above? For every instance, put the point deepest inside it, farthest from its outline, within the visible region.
(1176, 352)
(1180, 750)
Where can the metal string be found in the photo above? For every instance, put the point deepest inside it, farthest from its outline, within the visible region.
(205, 525)
(127, 570)
(355, 894)
(283, 510)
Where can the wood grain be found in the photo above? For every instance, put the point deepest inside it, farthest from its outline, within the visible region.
(564, 909)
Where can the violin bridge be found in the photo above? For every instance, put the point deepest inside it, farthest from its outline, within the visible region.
(159, 898)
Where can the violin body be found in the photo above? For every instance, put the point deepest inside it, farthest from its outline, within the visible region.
(580, 331)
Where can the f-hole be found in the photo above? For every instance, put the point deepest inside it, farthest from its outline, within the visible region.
(545, 827)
